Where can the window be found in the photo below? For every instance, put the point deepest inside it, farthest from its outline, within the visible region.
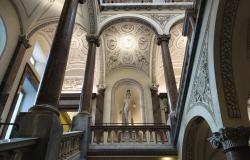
(3, 36)
(32, 60)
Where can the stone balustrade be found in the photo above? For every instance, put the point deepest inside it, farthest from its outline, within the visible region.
(126, 134)
(70, 145)
(17, 148)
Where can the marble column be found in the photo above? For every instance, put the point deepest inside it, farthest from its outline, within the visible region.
(86, 94)
(13, 67)
(52, 81)
(163, 40)
(81, 122)
(234, 142)
(43, 119)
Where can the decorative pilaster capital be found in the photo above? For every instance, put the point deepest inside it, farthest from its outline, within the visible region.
(22, 39)
(230, 138)
(154, 88)
(93, 39)
(162, 38)
(101, 88)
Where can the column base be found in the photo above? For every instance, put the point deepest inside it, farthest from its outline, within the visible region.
(81, 122)
(42, 121)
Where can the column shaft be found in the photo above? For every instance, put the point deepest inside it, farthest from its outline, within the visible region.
(163, 40)
(52, 81)
(86, 94)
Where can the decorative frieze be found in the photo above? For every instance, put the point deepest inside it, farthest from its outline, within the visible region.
(228, 23)
(201, 93)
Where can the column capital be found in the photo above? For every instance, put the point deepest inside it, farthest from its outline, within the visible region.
(230, 138)
(93, 39)
(154, 88)
(101, 88)
(22, 39)
(163, 37)
(82, 1)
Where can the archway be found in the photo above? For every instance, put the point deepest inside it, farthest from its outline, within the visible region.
(195, 143)
(136, 110)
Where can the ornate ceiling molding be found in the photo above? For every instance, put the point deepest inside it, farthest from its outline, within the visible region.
(128, 44)
(77, 57)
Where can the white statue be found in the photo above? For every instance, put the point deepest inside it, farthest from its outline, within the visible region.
(126, 107)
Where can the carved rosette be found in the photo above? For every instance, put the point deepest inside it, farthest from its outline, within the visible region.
(230, 138)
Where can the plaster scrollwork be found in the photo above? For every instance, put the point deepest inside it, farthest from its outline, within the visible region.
(161, 19)
(201, 93)
(77, 57)
(127, 44)
(229, 15)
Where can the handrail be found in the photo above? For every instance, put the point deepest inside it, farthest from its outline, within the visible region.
(16, 143)
(136, 134)
(71, 134)
(70, 144)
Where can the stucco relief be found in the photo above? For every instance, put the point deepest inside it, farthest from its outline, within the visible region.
(77, 57)
(127, 44)
(201, 93)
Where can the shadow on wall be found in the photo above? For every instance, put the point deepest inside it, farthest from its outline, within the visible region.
(195, 143)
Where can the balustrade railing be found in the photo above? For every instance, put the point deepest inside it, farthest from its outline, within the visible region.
(17, 148)
(136, 134)
(70, 145)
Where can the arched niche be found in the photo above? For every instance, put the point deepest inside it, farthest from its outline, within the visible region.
(195, 143)
(137, 101)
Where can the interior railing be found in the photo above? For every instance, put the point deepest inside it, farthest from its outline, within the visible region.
(70, 145)
(17, 148)
(116, 133)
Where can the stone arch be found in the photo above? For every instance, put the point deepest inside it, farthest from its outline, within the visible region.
(130, 17)
(172, 22)
(231, 60)
(195, 143)
(133, 84)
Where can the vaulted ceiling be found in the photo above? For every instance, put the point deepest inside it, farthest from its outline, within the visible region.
(128, 44)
